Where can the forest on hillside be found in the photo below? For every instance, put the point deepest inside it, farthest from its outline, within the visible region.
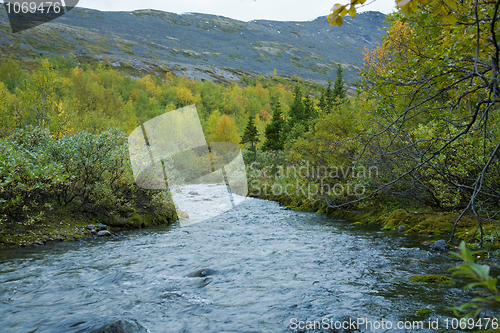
(65, 126)
(419, 137)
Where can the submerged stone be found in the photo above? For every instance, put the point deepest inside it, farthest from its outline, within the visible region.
(124, 326)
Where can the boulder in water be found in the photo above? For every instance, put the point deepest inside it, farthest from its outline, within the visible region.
(124, 326)
(202, 272)
(101, 226)
(440, 246)
(104, 233)
(171, 294)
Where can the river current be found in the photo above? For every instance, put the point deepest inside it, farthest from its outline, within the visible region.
(256, 268)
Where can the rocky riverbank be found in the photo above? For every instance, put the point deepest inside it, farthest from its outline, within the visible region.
(67, 226)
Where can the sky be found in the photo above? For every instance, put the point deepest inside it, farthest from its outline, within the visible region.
(243, 10)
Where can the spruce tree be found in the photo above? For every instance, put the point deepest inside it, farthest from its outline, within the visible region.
(251, 135)
(327, 99)
(274, 131)
(296, 114)
(308, 111)
(339, 90)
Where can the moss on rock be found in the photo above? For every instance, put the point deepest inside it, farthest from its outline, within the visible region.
(480, 255)
(134, 221)
(322, 210)
(425, 312)
(397, 218)
(66, 225)
(432, 278)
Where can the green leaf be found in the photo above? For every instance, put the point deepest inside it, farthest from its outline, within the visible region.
(482, 270)
(473, 285)
(451, 4)
(352, 11)
(339, 21)
(454, 254)
(466, 254)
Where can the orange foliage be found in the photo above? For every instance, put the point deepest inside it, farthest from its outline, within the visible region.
(264, 115)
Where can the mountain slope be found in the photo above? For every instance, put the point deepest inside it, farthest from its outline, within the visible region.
(198, 42)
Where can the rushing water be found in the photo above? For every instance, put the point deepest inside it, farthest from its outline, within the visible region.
(270, 265)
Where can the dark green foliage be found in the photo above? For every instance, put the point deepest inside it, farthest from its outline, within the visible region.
(301, 111)
(297, 109)
(274, 131)
(89, 172)
(308, 109)
(339, 90)
(95, 167)
(327, 99)
(251, 135)
(28, 176)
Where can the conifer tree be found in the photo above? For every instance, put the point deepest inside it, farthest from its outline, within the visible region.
(251, 135)
(308, 110)
(297, 111)
(274, 131)
(339, 90)
(327, 99)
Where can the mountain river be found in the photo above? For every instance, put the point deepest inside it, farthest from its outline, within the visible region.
(256, 268)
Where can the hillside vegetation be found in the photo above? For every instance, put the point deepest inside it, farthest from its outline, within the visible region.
(416, 149)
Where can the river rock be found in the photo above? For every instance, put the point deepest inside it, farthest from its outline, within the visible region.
(101, 226)
(401, 229)
(90, 227)
(171, 294)
(193, 193)
(104, 233)
(440, 246)
(202, 272)
(125, 326)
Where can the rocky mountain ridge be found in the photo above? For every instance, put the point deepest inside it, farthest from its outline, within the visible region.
(201, 45)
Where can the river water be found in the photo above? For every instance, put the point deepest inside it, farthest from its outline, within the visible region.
(269, 268)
